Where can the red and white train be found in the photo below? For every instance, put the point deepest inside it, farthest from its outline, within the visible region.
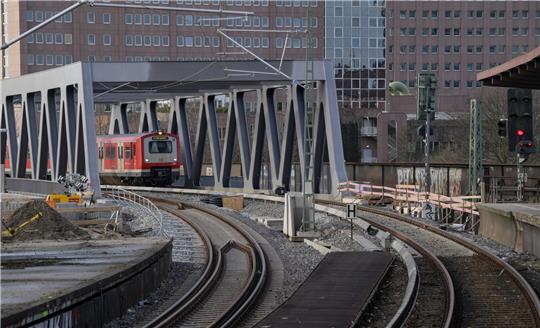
(142, 158)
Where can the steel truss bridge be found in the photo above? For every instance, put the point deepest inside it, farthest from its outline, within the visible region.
(58, 121)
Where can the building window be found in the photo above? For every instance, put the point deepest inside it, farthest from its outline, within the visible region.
(68, 59)
(434, 66)
(156, 19)
(434, 49)
(456, 83)
(266, 42)
(447, 31)
(502, 13)
(479, 49)
(138, 19)
(39, 37)
(469, 84)
(447, 66)
(515, 14)
(156, 40)
(457, 13)
(147, 40)
(425, 49)
(479, 14)
(165, 19)
(470, 49)
(129, 40)
(58, 38)
(434, 13)
(456, 31)
(179, 41)
(147, 19)
(107, 59)
(48, 38)
(425, 13)
(106, 18)
(515, 31)
(165, 40)
(39, 60)
(68, 18)
(457, 49)
(30, 38)
(188, 20)
(30, 60)
(478, 66)
(128, 19)
(479, 31)
(198, 41)
(138, 40)
(92, 58)
(90, 18)
(525, 31)
(447, 49)
(524, 14)
(58, 60)
(39, 18)
(188, 41)
(30, 18)
(502, 31)
(49, 60)
(434, 31)
(106, 39)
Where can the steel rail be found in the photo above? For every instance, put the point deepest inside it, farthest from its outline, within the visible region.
(248, 295)
(532, 297)
(201, 286)
(401, 319)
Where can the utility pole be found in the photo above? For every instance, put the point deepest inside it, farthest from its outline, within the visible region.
(308, 213)
(426, 106)
(3, 141)
(475, 147)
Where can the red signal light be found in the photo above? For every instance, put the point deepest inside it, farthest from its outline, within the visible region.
(520, 133)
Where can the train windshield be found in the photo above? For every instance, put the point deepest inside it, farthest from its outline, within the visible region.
(160, 147)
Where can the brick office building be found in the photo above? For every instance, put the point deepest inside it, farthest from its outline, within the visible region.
(456, 40)
(126, 34)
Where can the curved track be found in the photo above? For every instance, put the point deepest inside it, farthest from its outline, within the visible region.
(489, 292)
(232, 280)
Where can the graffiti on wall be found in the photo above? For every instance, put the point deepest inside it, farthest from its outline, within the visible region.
(439, 179)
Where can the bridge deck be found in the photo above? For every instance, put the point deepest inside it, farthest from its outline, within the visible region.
(335, 292)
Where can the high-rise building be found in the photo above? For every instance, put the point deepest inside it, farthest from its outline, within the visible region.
(456, 40)
(126, 34)
(355, 41)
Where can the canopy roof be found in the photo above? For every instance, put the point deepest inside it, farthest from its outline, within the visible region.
(520, 72)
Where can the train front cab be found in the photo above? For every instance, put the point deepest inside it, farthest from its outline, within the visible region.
(161, 162)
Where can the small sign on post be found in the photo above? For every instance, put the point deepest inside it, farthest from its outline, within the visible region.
(351, 214)
(351, 211)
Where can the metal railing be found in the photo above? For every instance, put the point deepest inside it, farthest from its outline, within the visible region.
(154, 219)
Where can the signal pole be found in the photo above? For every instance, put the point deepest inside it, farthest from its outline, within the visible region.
(426, 98)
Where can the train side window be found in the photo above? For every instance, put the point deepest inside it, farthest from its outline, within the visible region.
(128, 152)
(134, 149)
(120, 155)
(113, 152)
(100, 152)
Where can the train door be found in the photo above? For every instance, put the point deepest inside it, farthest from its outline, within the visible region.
(114, 160)
(100, 156)
(120, 153)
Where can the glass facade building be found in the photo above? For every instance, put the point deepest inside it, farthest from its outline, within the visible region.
(355, 41)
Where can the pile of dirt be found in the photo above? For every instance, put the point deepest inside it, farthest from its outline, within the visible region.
(51, 225)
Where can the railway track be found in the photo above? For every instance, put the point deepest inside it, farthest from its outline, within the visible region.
(234, 274)
(488, 291)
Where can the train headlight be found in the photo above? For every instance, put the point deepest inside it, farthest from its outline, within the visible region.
(174, 159)
(146, 160)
